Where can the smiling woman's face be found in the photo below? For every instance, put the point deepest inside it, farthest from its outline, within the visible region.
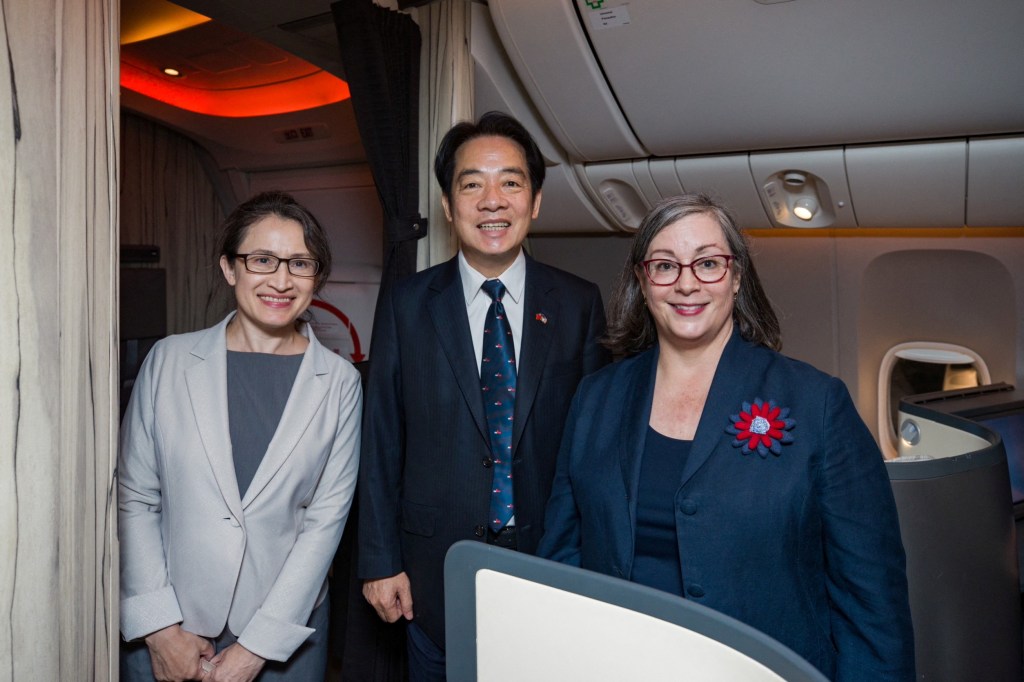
(270, 302)
(691, 313)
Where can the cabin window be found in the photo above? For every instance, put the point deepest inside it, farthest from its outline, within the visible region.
(921, 367)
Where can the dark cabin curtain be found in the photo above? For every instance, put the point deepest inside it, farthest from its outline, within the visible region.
(380, 49)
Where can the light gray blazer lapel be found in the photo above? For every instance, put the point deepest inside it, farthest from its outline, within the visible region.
(309, 390)
(207, 382)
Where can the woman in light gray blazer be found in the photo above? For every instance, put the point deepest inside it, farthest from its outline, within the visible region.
(239, 453)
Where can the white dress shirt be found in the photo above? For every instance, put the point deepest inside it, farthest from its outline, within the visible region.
(478, 301)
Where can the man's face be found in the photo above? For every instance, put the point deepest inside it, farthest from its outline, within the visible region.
(491, 203)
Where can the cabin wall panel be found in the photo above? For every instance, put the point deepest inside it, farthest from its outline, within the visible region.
(798, 275)
(168, 199)
(598, 259)
(344, 200)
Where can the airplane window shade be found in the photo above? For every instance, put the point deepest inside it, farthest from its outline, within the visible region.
(921, 367)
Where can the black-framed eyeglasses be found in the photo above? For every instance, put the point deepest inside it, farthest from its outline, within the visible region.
(265, 264)
(663, 272)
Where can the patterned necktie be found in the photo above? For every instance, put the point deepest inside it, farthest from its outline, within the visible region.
(498, 385)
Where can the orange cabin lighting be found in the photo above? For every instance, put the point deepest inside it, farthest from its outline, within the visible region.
(306, 92)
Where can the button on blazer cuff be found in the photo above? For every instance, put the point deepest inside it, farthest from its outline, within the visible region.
(144, 614)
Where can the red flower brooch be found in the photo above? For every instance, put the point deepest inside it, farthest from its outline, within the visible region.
(761, 427)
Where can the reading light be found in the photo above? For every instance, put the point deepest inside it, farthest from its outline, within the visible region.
(172, 72)
(804, 208)
(796, 198)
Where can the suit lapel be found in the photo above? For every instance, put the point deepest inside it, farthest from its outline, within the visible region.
(308, 392)
(541, 321)
(207, 383)
(729, 389)
(448, 312)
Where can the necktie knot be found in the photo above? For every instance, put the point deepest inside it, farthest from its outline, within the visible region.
(494, 288)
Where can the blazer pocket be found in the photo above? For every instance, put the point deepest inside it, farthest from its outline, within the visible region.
(419, 519)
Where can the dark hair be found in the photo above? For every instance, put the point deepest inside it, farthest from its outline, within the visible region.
(236, 227)
(631, 328)
(492, 123)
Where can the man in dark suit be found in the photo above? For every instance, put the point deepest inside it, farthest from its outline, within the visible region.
(430, 445)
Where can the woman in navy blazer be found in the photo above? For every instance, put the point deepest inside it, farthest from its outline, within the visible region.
(708, 464)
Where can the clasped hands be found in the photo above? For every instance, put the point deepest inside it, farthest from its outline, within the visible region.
(178, 655)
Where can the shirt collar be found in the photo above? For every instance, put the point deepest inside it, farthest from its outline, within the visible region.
(514, 279)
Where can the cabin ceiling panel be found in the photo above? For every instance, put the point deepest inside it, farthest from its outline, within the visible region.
(565, 207)
(259, 142)
(712, 76)
(717, 76)
(497, 87)
(255, 16)
(303, 27)
(727, 178)
(566, 84)
(915, 185)
(235, 68)
(217, 57)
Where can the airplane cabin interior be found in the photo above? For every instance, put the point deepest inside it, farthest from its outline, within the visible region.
(873, 152)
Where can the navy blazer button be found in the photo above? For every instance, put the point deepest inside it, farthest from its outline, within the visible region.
(695, 591)
(487, 462)
(479, 531)
(688, 507)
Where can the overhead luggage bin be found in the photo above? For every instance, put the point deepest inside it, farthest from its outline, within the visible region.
(994, 196)
(715, 76)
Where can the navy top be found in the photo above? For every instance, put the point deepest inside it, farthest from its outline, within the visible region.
(656, 561)
(258, 388)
